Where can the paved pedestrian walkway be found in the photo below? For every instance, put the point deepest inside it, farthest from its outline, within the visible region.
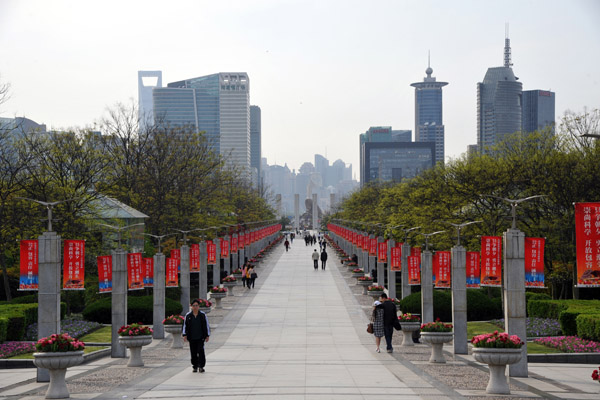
(299, 334)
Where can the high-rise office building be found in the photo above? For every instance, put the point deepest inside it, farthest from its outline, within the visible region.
(538, 110)
(498, 103)
(218, 104)
(147, 81)
(429, 126)
(255, 143)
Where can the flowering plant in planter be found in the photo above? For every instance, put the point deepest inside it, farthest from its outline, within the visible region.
(136, 329)
(252, 260)
(408, 317)
(173, 320)
(365, 279)
(357, 270)
(237, 271)
(375, 288)
(58, 343)
(229, 278)
(204, 303)
(352, 264)
(497, 340)
(396, 302)
(596, 375)
(437, 326)
(216, 289)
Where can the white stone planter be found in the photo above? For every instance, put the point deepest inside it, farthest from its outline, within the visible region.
(437, 340)
(57, 363)
(230, 286)
(375, 294)
(365, 285)
(217, 297)
(175, 331)
(407, 330)
(134, 344)
(497, 360)
(205, 310)
(238, 279)
(357, 274)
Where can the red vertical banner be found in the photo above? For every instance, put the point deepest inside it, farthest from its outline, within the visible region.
(473, 270)
(443, 279)
(491, 261)
(195, 258)
(28, 279)
(241, 241)
(74, 263)
(416, 252)
(587, 239)
(211, 253)
(234, 244)
(382, 252)
(534, 262)
(373, 247)
(176, 253)
(171, 277)
(135, 273)
(414, 272)
(395, 255)
(359, 241)
(148, 267)
(105, 273)
(224, 248)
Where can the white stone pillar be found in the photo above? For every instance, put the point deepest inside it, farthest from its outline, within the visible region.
(515, 313)
(297, 211)
(119, 300)
(426, 287)
(459, 299)
(228, 258)
(380, 265)
(158, 292)
(184, 279)
(404, 266)
(391, 274)
(217, 266)
(203, 275)
(49, 285)
(315, 212)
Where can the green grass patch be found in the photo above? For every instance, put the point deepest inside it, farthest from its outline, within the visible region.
(102, 335)
(29, 356)
(479, 328)
(536, 348)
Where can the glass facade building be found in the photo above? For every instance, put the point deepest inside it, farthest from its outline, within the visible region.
(255, 141)
(395, 161)
(538, 110)
(429, 126)
(217, 104)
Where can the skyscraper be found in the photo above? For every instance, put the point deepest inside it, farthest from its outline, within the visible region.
(538, 110)
(498, 103)
(147, 81)
(255, 142)
(217, 104)
(429, 126)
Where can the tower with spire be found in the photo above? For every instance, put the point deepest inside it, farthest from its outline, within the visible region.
(429, 126)
(499, 108)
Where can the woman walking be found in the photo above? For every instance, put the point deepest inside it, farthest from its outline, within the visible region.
(377, 318)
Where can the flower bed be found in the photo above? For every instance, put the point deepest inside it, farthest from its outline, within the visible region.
(408, 317)
(134, 330)
(437, 326)
(10, 349)
(216, 289)
(497, 341)
(58, 343)
(537, 327)
(74, 327)
(173, 320)
(570, 344)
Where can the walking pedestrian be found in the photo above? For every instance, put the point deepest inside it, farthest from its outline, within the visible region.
(244, 270)
(315, 257)
(390, 320)
(323, 259)
(196, 331)
(377, 318)
(286, 244)
(253, 276)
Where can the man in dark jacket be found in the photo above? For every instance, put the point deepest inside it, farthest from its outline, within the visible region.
(390, 320)
(196, 330)
(323, 259)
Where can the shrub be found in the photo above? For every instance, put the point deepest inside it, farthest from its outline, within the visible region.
(567, 312)
(480, 307)
(588, 326)
(18, 317)
(442, 304)
(139, 309)
(3, 329)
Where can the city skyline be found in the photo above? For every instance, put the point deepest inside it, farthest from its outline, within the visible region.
(322, 74)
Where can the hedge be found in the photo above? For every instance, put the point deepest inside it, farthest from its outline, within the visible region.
(479, 306)
(139, 309)
(18, 317)
(576, 317)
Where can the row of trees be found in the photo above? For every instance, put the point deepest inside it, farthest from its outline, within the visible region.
(168, 173)
(564, 167)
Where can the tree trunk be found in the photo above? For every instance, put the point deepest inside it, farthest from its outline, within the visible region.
(5, 277)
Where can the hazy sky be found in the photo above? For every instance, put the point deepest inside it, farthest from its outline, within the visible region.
(322, 71)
